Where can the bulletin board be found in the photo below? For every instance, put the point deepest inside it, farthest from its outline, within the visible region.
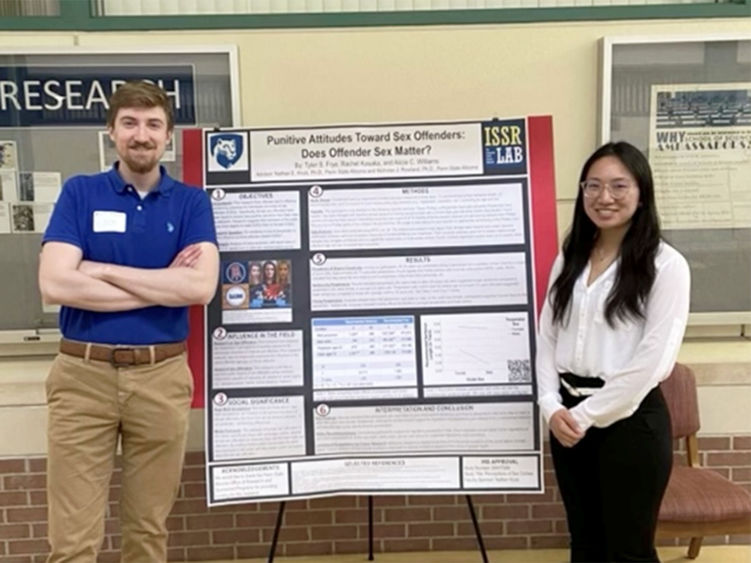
(52, 126)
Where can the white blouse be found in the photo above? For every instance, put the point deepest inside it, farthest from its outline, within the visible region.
(632, 357)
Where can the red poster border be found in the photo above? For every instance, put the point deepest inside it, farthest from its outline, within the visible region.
(193, 176)
(542, 190)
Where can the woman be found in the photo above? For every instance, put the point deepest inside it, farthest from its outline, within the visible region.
(610, 331)
(256, 284)
(254, 274)
(284, 279)
(270, 285)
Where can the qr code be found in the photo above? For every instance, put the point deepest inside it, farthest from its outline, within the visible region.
(519, 371)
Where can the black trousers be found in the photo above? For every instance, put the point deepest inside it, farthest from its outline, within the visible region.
(612, 483)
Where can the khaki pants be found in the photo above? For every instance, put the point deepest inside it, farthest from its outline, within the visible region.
(91, 405)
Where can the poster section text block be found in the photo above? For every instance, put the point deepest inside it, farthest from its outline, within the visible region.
(272, 358)
(256, 220)
(416, 216)
(418, 281)
(250, 481)
(257, 427)
(374, 474)
(507, 472)
(378, 151)
(457, 427)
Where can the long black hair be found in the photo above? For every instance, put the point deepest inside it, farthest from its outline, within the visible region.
(636, 272)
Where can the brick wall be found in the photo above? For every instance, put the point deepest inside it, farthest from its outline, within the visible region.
(328, 525)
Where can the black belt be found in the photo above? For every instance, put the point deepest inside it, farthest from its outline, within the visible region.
(580, 386)
(121, 356)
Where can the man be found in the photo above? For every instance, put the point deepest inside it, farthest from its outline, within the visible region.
(125, 252)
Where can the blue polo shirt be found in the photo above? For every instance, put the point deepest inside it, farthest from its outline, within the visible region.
(107, 219)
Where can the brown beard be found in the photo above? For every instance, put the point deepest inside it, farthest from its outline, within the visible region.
(140, 166)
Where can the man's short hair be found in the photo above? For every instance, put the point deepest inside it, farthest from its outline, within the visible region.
(139, 94)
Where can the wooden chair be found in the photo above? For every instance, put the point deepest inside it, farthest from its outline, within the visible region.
(698, 502)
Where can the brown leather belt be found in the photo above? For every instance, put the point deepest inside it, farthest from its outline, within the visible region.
(122, 356)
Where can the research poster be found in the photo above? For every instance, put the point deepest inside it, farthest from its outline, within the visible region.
(700, 153)
(374, 331)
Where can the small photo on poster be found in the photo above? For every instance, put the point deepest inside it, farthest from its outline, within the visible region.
(257, 291)
(170, 150)
(8, 185)
(26, 186)
(234, 296)
(30, 217)
(270, 283)
(107, 152)
(39, 187)
(22, 218)
(234, 272)
(8, 155)
(4, 217)
(234, 285)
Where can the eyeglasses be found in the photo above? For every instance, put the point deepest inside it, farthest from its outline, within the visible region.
(617, 190)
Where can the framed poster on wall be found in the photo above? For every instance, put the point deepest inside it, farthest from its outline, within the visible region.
(686, 102)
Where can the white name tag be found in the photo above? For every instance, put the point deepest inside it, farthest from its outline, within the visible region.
(109, 222)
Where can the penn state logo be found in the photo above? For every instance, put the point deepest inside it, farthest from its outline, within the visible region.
(227, 149)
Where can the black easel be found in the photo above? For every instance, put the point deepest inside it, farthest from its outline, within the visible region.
(478, 533)
(280, 516)
(370, 528)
